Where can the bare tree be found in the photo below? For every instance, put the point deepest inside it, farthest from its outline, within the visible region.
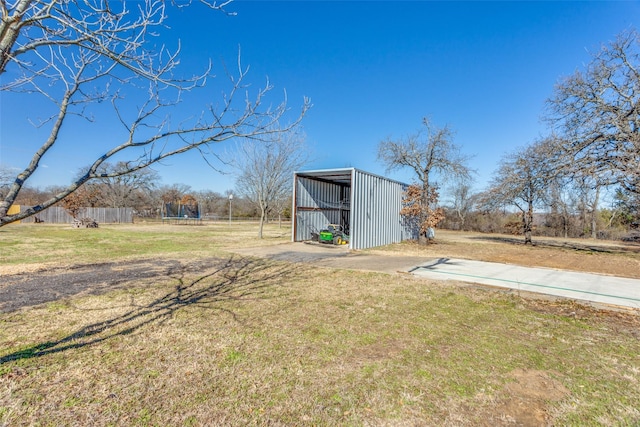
(430, 153)
(212, 203)
(561, 202)
(78, 54)
(587, 192)
(461, 201)
(597, 114)
(121, 190)
(521, 181)
(265, 171)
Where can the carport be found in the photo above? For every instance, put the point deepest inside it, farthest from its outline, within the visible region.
(366, 205)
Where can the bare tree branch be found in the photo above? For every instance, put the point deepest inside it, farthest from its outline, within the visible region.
(596, 112)
(77, 54)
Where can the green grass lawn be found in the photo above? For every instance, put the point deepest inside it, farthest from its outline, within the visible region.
(240, 341)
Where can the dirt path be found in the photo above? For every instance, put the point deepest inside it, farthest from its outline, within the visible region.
(39, 287)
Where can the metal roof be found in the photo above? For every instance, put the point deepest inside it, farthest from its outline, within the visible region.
(339, 176)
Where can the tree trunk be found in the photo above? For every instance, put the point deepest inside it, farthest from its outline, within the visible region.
(424, 213)
(565, 222)
(461, 218)
(594, 214)
(527, 222)
(262, 217)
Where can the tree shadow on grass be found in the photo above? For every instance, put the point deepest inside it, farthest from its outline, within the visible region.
(55, 284)
(611, 248)
(234, 279)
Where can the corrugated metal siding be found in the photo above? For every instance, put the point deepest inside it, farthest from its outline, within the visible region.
(316, 204)
(374, 208)
(317, 194)
(376, 218)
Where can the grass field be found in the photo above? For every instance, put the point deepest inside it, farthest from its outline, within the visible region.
(214, 338)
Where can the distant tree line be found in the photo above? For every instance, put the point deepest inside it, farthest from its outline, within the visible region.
(146, 196)
(573, 217)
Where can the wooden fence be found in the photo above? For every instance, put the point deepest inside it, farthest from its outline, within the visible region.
(57, 215)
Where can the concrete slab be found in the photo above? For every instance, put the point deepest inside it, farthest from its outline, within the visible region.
(334, 257)
(617, 291)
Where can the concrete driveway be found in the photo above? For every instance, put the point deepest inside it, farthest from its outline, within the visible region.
(598, 288)
(595, 288)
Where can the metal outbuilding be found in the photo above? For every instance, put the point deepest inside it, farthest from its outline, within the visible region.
(366, 205)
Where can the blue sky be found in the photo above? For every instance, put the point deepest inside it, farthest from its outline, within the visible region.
(372, 70)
